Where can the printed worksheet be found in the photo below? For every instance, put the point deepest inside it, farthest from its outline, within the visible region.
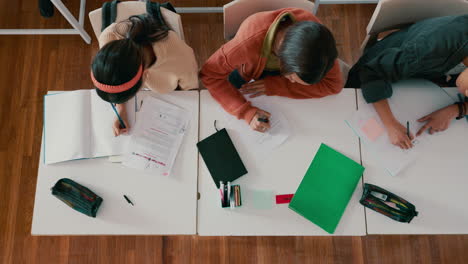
(157, 136)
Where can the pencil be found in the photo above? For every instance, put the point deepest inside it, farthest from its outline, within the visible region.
(122, 124)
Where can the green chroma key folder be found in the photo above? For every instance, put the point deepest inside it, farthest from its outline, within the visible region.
(221, 157)
(326, 188)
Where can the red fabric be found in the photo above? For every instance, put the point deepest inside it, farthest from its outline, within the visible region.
(244, 54)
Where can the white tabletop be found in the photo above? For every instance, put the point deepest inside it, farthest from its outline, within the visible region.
(436, 183)
(312, 121)
(163, 205)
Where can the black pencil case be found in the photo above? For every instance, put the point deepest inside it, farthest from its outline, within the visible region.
(387, 203)
(77, 196)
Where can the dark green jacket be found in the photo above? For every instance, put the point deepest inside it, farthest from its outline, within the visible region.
(427, 49)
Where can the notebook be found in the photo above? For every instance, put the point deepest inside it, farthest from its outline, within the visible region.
(78, 125)
(221, 157)
(326, 188)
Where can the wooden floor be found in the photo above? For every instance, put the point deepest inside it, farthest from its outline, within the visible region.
(31, 65)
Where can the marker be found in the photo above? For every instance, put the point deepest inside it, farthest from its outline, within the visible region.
(263, 119)
(128, 200)
(221, 191)
(229, 192)
(221, 184)
(122, 124)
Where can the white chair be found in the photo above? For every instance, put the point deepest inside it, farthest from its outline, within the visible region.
(237, 11)
(130, 8)
(394, 14)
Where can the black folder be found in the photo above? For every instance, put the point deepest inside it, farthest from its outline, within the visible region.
(221, 157)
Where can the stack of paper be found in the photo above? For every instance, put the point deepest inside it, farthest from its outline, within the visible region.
(157, 136)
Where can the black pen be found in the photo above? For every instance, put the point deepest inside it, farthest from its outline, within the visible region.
(128, 200)
(407, 129)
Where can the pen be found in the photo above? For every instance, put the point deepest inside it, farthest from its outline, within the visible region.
(122, 124)
(128, 200)
(407, 129)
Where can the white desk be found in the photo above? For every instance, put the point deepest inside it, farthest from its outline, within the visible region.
(163, 205)
(436, 184)
(313, 121)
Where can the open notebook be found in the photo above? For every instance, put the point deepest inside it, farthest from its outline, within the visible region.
(78, 125)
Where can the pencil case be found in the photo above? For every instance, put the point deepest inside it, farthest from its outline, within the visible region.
(77, 196)
(387, 203)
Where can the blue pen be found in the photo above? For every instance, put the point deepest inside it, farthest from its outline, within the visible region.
(122, 124)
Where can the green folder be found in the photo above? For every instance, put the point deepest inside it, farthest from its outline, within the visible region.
(326, 188)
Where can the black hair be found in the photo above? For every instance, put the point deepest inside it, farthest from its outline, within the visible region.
(119, 60)
(309, 50)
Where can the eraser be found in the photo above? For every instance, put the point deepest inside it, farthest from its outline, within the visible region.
(284, 198)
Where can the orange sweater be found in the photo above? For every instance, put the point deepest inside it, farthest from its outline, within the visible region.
(243, 53)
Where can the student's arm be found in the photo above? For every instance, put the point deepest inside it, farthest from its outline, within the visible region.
(440, 120)
(376, 77)
(397, 133)
(214, 75)
(332, 83)
(389, 66)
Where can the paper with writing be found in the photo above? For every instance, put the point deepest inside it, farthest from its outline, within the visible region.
(157, 136)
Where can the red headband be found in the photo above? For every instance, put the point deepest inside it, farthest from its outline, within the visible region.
(117, 88)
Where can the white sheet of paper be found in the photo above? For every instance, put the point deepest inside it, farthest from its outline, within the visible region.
(102, 116)
(78, 125)
(391, 157)
(261, 143)
(157, 136)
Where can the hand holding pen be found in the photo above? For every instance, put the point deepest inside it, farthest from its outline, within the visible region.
(120, 125)
(261, 121)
